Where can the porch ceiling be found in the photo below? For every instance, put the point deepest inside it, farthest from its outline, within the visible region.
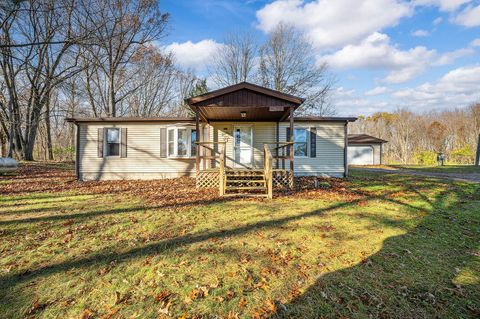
(254, 113)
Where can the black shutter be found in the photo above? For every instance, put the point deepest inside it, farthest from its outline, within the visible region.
(123, 141)
(163, 142)
(100, 147)
(313, 142)
(288, 140)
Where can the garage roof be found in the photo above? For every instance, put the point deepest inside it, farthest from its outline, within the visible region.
(364, 139)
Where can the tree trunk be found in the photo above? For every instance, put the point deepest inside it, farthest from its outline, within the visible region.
(3, 141)
(48, 132)
(31, 133)
(112, 107)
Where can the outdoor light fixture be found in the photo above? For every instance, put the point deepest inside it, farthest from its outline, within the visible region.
(243, 114)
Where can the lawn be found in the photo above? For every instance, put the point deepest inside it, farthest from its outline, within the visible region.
(369, 246)
(455, 169)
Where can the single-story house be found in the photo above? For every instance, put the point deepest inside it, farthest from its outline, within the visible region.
(365, 149)
(239, 133)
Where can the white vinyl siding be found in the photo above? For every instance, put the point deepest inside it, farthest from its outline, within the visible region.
(143, 148)
(143, 159)
(330, 149)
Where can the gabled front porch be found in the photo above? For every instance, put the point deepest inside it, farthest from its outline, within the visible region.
(240, 147)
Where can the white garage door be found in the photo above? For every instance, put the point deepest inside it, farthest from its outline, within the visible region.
(360, 155)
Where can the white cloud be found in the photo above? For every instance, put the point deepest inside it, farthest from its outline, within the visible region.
(437, 21)
(457, 88)
(376, 52)
(332, 24)
(347, 103)
(194, 55)
(377, 91)
(444, 5)
(475, 43)
(469, 17)
(450, 57)
(420, 33)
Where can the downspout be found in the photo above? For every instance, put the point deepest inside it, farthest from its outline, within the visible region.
(345, 149)
(77, 152)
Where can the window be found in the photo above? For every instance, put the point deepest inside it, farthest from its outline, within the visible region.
(113, 142)
(171, 142)
(193, 146)
(181, 142)
(301, 138)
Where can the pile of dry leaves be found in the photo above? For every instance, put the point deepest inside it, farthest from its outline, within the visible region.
(53, 178)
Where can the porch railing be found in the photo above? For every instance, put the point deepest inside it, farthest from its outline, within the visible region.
(280, 155)
(222, 178)
(209, 159)
(208, 153)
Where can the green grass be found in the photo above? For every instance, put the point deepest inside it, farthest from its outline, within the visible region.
(373, 246)
(455, 169)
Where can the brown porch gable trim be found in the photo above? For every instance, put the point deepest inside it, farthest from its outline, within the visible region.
(244, 85)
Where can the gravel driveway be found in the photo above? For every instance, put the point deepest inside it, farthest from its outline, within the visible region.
(467, 177)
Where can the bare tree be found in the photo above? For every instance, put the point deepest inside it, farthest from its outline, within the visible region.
(126, 25)
(32, 72)
(288, 64)
(235, 60)
(153, 82)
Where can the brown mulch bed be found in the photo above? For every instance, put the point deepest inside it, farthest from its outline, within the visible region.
(54, 178)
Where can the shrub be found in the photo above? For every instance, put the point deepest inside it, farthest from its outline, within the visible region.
(427, 158)
(462, 155)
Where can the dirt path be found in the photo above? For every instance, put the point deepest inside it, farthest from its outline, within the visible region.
(463, 177)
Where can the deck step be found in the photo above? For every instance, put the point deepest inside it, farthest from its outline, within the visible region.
(244, 175)
(246, 181)
(253, 172)
(245, 195)
(232, 188)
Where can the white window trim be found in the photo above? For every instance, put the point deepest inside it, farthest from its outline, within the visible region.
(175, 141)
(308, 142)
(105, 142)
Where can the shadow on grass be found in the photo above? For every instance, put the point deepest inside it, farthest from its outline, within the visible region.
(411, 266)
(95, 213)
(413, 276)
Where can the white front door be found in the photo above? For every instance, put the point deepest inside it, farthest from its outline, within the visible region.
(243, 149)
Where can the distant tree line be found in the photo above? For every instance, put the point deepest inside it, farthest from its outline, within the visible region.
(418, 138)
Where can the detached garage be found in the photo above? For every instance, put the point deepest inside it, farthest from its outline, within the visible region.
(364, 149)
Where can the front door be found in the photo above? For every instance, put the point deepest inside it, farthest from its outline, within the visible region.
(243, 149)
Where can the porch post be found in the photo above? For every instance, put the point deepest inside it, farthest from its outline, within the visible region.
(292, 139)
(277, 139)
(197, 146)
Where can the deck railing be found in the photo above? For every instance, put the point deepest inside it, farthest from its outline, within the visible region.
(222, 179)
(282, 176)
(279, 152)
(205, 148)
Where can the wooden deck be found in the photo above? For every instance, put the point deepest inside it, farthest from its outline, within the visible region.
(244, 181)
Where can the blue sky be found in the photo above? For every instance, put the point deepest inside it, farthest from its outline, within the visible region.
(385, 54)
